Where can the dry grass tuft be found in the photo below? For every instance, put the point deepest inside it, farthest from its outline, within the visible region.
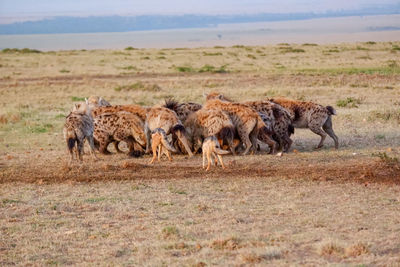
(357, 250)
(3, 119)
(170, 232)
(331, 249)
(225, 244)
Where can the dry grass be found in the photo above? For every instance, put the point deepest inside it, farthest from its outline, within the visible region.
(263, 210)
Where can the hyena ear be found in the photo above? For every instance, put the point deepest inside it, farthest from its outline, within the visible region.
(221, 97)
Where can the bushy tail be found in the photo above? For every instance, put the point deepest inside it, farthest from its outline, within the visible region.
(290, 129)
(226, 134)
(179, 131)
(331, 110)
(71, 139)
(165, 141)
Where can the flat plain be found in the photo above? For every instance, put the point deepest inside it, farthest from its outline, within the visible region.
(308, 207)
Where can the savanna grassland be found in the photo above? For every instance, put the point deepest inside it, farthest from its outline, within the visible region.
(312, 207)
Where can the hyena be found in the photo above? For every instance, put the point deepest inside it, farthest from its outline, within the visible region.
(312, 116)
(208, 122)
(78, 127)
(119, 126)
(182, 110)
(244, 118)
(211, 149)
(161, 117)
(133, 109)
(159, 141)
(280, 119)
(247, 122)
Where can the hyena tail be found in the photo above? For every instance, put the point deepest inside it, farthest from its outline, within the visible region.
(179, 131)
(290, 129)
(71, 139)
(226, 134)
(165, 141)
(331, 110)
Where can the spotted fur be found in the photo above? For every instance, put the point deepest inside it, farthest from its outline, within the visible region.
(312, 116)
(119, 126)
(78, 127)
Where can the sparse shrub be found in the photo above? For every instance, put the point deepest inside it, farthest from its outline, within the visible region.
(130, 48)
(65, 71)
(386, 115)
(385, 158)
(42, 128)
(138, 86)
(22, 51)
(251, 56)
(395, 48)
(184, 69)
(145, 58)
(209, 68)
(361, 48)
(356, 250)
(370, 43)
(3, 119)
(212, 54)
(289, 49)
(228, 244)
(170, 232)
(129, 68)
(332, 51)
(162, 57)
(330, 249)
(308, 44)
(77, 99)
(219, 47)
(349, 102)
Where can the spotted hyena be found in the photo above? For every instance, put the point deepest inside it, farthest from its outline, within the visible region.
(182, 110)
(137, 110)
(247, 121)
(312, 116)
(211, 149)
(280, 119)
(78, 127)
(119, 126)
(166, 119)
(159, 141)
(209, 122)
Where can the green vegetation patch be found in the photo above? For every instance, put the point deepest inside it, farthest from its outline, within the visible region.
(21, 51)
(349, 102)
(289, 49)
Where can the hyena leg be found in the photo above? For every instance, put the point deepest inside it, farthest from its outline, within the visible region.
(317, 130)
(244, 136)
(116, 143)
(329, 130)
(287, 143)
(91, 144)
(147, 133)
(80, 148)
(253, 139)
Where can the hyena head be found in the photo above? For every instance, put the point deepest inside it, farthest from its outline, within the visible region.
(95, 101)
(216, 95)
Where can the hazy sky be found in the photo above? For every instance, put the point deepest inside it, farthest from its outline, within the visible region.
(22, 8)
